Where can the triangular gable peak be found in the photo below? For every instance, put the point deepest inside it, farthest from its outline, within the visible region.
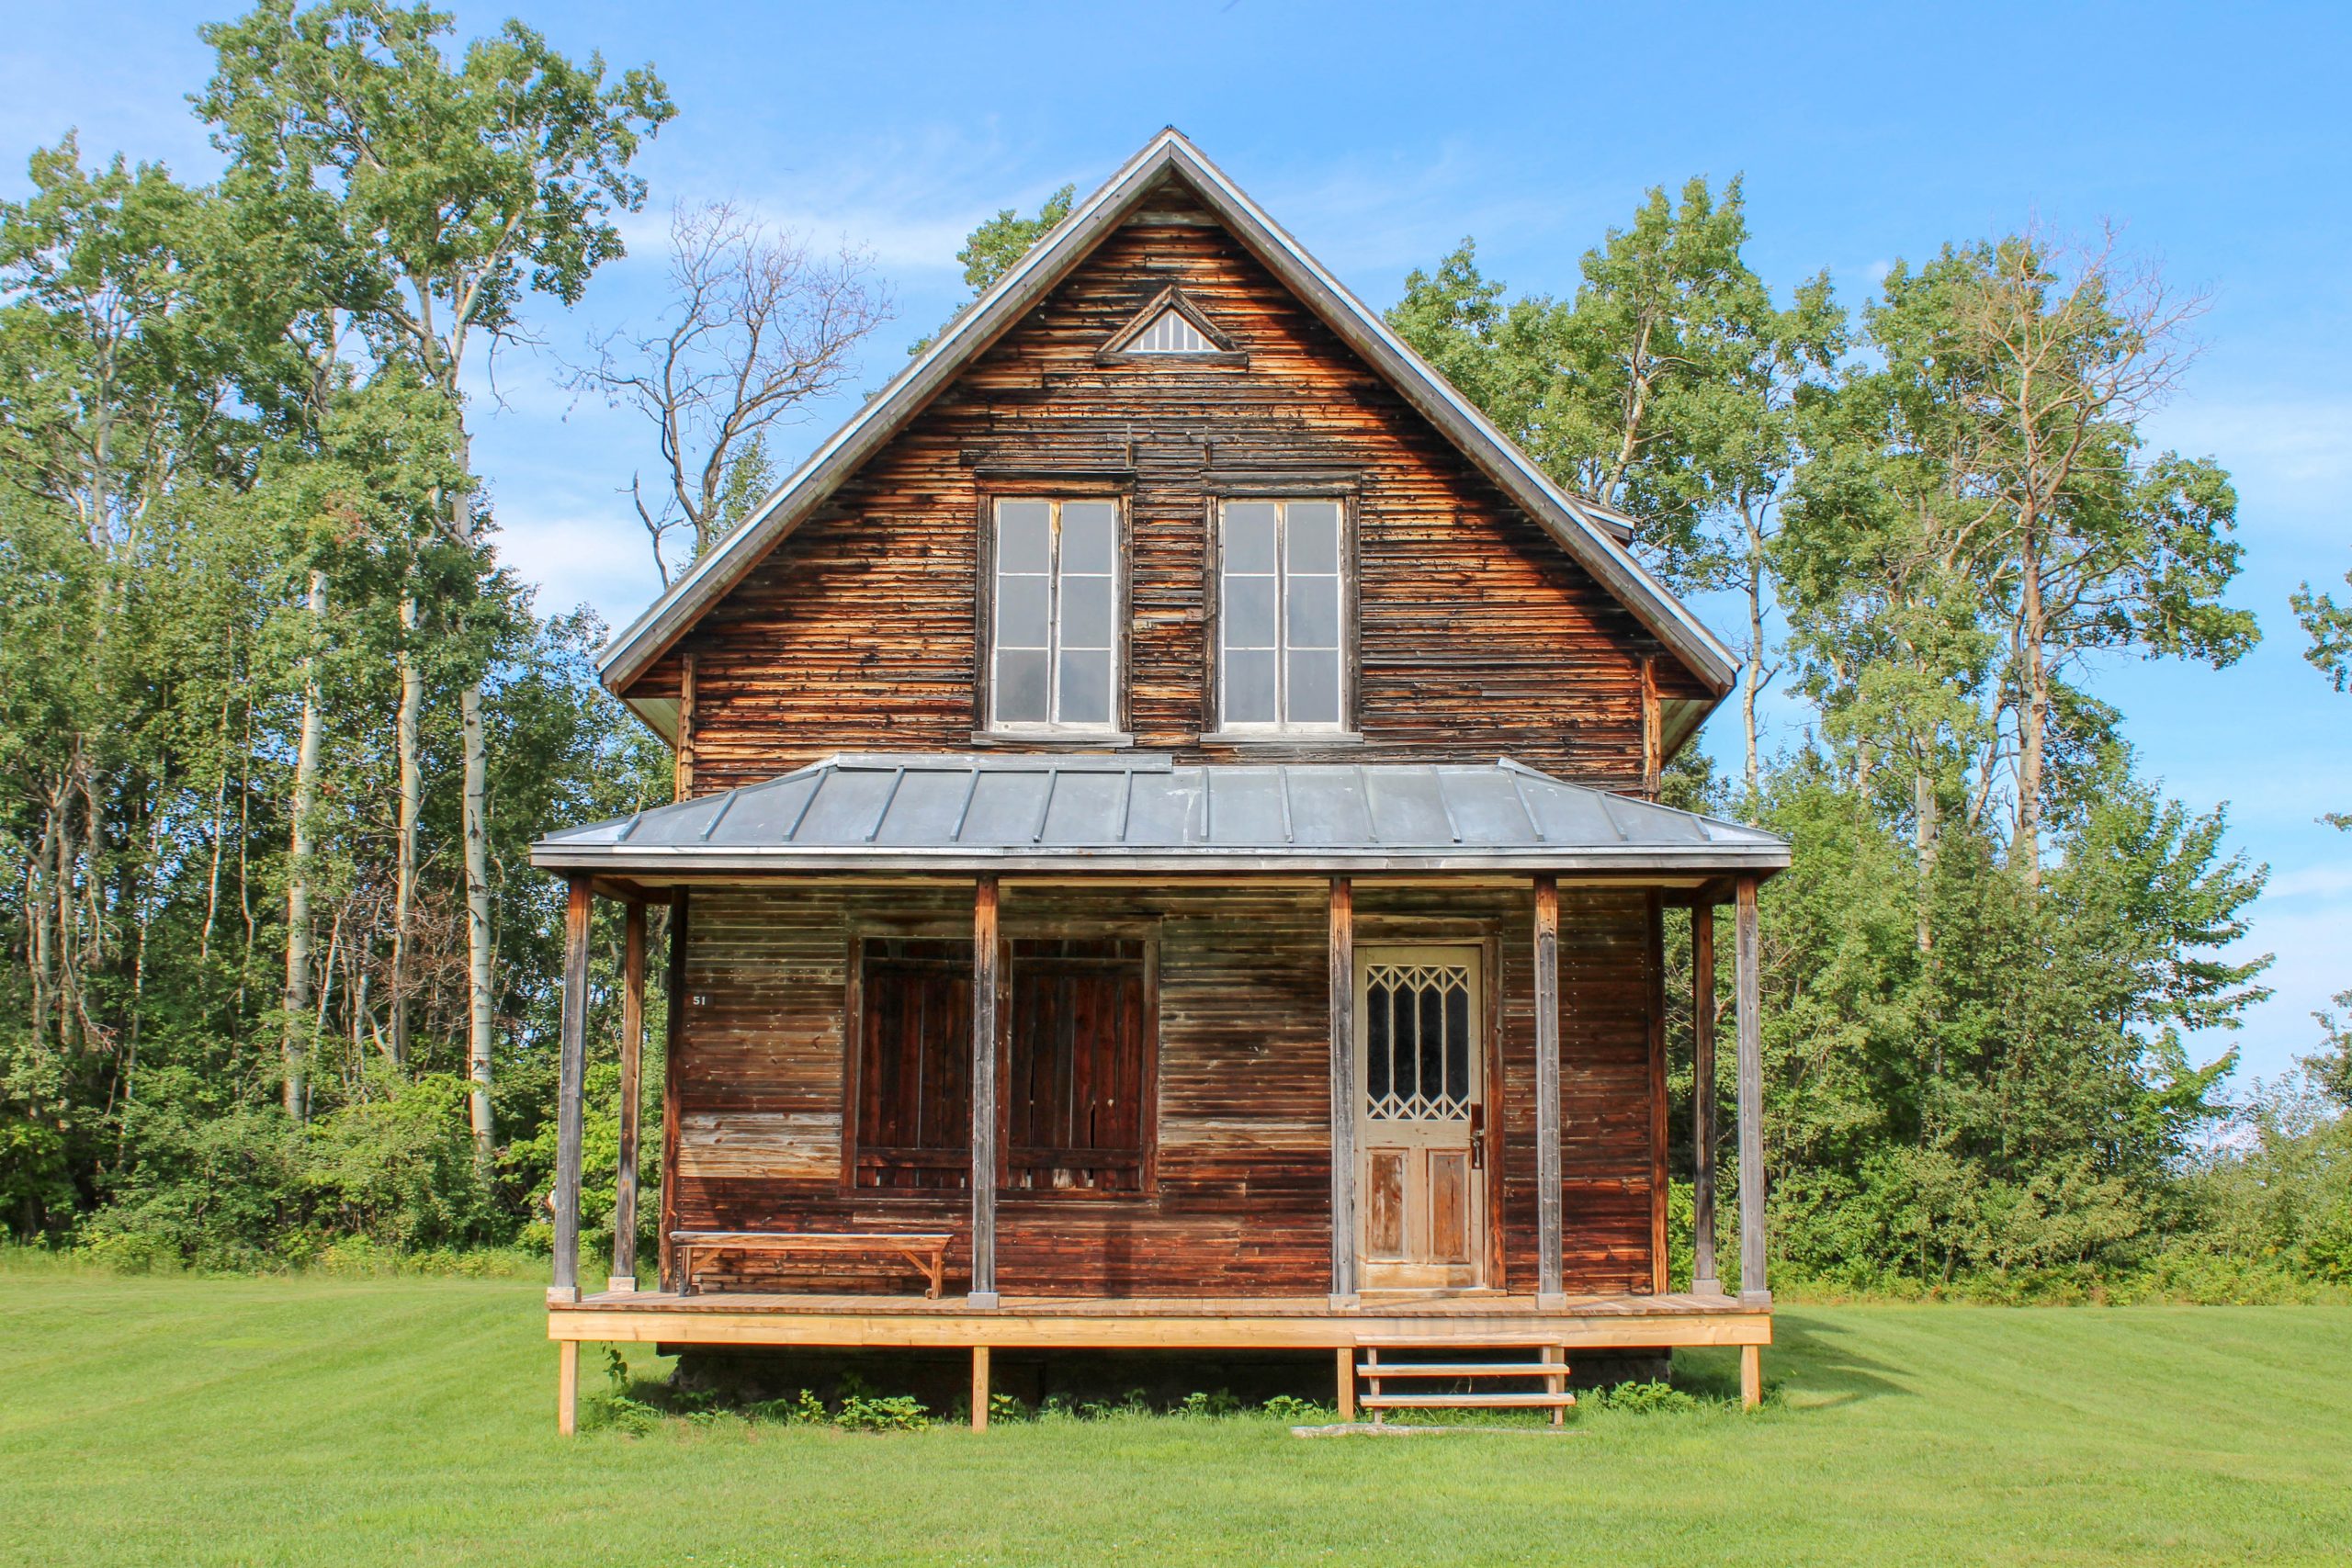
(1172, 327)
(1595, 537)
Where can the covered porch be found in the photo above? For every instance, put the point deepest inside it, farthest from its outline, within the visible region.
(1246, 1217)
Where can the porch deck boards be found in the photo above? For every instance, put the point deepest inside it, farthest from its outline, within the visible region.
(1174, 1323)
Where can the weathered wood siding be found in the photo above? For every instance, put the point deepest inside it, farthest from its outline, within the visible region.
(1477, 635)
(1241, 1200)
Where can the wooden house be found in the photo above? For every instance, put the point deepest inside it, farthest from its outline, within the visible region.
(1165, 854)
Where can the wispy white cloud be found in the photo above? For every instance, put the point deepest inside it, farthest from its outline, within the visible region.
(2297, 444)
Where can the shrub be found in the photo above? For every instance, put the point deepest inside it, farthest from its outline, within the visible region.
(1645, 1398)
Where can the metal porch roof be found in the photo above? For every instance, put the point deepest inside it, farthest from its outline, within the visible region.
(942, 811)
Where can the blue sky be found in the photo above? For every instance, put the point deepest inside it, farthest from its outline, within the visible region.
(1380, 135)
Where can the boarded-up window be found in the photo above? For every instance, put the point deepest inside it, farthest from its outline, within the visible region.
(1078, 1079)
(914, 1077)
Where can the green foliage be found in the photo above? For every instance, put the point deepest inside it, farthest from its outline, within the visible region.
(882, 1412)
(991, 249)
(2016, 1097)
(1650, 1398)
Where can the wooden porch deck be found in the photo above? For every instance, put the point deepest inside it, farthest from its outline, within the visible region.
(1225, 1323)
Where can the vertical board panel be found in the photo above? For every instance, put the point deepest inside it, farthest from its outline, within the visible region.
(1449, 1207)
(1383, 1214)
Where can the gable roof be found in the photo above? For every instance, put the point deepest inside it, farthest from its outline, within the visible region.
(1595, 536)
(961, 812)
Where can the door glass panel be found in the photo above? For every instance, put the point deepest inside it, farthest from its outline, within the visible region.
(1417, 1042)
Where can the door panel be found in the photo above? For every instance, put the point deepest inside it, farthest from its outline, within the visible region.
(1419, 1080)
(1383, 1233)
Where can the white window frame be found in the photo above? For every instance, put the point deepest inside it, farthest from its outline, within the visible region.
(1108, 727)
(1281, 727)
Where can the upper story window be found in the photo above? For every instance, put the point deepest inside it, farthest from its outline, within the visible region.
(1054, 653)
(1281, 617)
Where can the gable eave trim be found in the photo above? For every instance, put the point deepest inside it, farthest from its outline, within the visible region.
(1589, 539)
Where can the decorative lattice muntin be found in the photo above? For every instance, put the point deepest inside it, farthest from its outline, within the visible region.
(1417, 1043)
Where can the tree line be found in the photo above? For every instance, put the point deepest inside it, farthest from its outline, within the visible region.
(277, 725)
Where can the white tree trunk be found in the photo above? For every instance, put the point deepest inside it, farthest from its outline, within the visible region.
(293, 1044)
(412, 805)
(479, 954)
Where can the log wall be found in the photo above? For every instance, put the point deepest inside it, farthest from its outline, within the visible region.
(1477, 635)
(1241, 1203)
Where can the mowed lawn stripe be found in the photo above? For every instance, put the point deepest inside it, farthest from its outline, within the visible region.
(347, 1422)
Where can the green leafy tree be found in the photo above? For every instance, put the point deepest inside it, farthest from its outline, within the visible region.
(427, 196)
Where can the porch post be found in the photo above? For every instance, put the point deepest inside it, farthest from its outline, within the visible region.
(1548, 1091)
(673, 1036)
(624, 1277)
(1343, 1091)
(571, 1057)
(984, 1133)
(1702, 1099)
(1752, 1291)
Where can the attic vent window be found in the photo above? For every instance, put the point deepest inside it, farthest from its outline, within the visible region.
(1169, 328)
(1171, 334)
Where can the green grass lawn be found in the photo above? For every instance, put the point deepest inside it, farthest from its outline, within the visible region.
(410, 1421)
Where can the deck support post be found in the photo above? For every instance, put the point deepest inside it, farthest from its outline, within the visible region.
(1751, 1376)
(984, 1095)
(1547, 1093)
(979, 1388)
(1347, 1384)
(1702, 1101)
(624, 1275)
(567, 1387)
(1343, 1092)
(1752, 1288)
(571, 1067)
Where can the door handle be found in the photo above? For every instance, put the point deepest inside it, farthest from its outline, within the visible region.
(1477, 1137)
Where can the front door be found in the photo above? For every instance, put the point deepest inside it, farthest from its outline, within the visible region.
(1420, 1108)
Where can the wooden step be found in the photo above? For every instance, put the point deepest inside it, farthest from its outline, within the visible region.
(1459, 1370)
(1465, 1400)
(1467, 1340)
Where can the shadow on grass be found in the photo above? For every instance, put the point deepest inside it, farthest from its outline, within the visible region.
(1807, 1354)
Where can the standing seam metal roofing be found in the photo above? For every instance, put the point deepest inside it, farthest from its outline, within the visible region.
(955, 810)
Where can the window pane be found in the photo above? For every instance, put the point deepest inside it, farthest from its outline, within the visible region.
(1314, 687)
(1313, 612)
(1315, 535)
(1249, 611)
(1090, 536)
(1086, 611)
(1023, 536)
(1375, 1056)
(1248, 540)
(1021, 686)
(1457, 1044)
(1086, 688)
(1020, 610)
(1248, 687)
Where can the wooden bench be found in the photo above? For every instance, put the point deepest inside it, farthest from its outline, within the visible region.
(927, 1254)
